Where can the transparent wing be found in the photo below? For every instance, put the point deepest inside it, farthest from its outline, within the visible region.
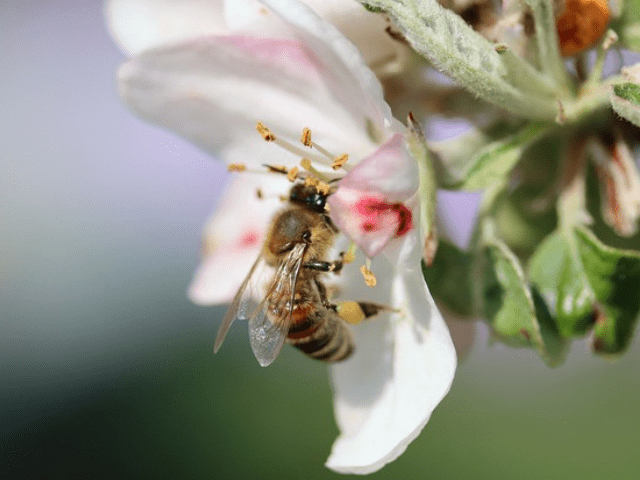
(243, 304)
(269, 325)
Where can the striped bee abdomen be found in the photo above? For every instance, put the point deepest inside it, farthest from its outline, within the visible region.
(322, 335)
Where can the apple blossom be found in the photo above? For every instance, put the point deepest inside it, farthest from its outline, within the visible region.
(290, 69)
(137, 25)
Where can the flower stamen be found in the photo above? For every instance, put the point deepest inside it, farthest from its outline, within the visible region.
(319, 176)
(369, 277)
(336, 161)
(269, 136)
(339, 161)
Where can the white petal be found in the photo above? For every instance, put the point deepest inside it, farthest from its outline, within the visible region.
(214, 91)
(364, 29)
(233, 237)
(361, 90)
(402, 368)
(386, 392)
(137, 25)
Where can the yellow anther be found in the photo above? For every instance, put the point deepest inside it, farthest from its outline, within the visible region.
(323, 187)
(306, 164)
(306, 137)
(265, 132)
(293, 174)
(236, 167)
(369, 277)
(339, 161)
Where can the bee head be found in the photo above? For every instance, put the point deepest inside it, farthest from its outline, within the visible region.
(291, 227)
(308, 196)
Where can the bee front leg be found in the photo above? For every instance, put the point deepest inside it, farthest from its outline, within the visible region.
(321, 266)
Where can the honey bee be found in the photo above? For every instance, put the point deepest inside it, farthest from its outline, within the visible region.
(295, 307)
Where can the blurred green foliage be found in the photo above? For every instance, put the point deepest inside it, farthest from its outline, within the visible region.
(185, 413)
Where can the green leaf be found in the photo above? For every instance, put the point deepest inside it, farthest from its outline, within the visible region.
(496, 160)
(449, 278)
(614, 276)
(625, 100)
(588, 284)
(479, 158)
(528, 214)
(511, 308)
(628, 91)
(561, 281)
(456, 49)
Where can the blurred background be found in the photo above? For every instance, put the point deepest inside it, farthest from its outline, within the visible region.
(107, 370)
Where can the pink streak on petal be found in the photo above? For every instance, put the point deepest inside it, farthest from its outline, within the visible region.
(249, 239)
(287, 56)
(375, 211)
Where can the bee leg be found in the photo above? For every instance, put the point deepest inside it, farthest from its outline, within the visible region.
(322, 291)
(333, 267)
(355, 312)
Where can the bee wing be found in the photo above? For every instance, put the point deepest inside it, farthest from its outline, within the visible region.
(241, 305)
(269, 325)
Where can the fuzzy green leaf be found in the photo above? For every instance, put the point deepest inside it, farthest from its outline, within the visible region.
(628, 91)
(511, 308)
(479, 157)
(449, 278)
(456, 49)
(588, 284)
(625, 100)
(614, 276)
(496, 160)
(562, 283)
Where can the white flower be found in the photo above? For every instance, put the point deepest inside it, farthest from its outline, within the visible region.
(290, 69)
(138, 25)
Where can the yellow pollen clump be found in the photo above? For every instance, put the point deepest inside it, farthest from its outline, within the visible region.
(293, 174)
(236, 167)
(369, 277)
(306, 137)
(351, 312)
(339, 161)
(265, 132)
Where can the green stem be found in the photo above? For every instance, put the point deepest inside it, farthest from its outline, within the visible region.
(548, 46)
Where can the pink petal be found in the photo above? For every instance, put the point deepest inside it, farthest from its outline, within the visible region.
(370, 204)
